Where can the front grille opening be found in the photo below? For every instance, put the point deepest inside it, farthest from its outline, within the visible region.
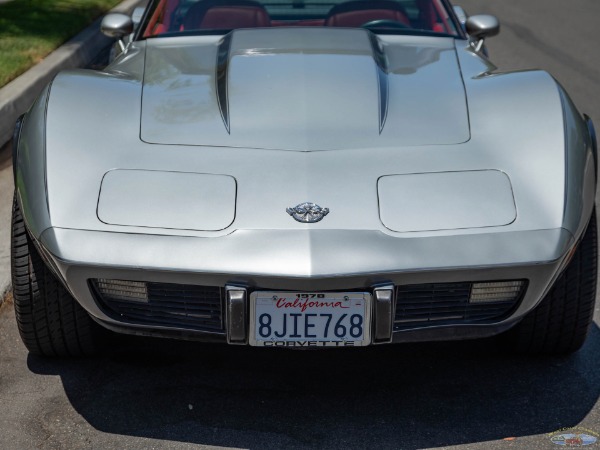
(426, 305)
(164, 304)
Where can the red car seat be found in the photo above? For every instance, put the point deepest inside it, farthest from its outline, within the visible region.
(226, 14)
(358, 12)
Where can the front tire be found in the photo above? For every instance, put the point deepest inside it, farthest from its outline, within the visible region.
(50, 321)
(560, 323)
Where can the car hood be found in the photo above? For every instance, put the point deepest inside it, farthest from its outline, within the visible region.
(89, 169)
(304, 90)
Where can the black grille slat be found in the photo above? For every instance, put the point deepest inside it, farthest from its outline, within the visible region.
(160, 309)
(449, 307)
(175, 305)
(425, 305)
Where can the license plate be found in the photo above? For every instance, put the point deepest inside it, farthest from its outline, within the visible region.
(310, 319)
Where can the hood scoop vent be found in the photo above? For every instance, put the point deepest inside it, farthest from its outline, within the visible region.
(382, 78)
(304, 89)
(221, 78)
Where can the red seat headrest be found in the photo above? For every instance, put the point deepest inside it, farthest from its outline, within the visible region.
(226, 14)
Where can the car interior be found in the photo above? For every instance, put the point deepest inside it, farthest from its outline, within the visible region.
(186, 16)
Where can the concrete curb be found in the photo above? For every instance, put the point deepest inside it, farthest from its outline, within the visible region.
(18, 95)
(16, 98)
(6, 194)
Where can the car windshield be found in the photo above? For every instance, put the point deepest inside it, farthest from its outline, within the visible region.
(180, 17)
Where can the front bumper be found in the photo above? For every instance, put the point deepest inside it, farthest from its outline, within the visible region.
(311, 260)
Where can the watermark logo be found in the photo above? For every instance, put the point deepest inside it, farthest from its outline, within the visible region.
(574, 437)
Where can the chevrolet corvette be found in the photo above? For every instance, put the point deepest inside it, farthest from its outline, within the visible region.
(304, 175)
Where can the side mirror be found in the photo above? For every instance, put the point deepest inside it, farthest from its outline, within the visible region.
(117, 26)
(482, 26)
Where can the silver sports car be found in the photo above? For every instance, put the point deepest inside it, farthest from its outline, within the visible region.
(304, 174)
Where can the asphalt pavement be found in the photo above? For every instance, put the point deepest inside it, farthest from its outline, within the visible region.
(147, 393)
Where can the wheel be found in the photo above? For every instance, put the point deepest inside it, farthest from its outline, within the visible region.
(560, 323)
(50, 321)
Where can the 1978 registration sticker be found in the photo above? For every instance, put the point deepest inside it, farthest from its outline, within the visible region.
(310, 319)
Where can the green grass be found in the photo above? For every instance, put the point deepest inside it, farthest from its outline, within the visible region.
(31, 29)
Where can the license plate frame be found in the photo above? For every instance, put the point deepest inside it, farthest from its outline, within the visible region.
(259, 302)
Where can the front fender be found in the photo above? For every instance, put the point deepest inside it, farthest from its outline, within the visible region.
(593, 142)
(15, 144)
(580, 167)
(29, 165)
